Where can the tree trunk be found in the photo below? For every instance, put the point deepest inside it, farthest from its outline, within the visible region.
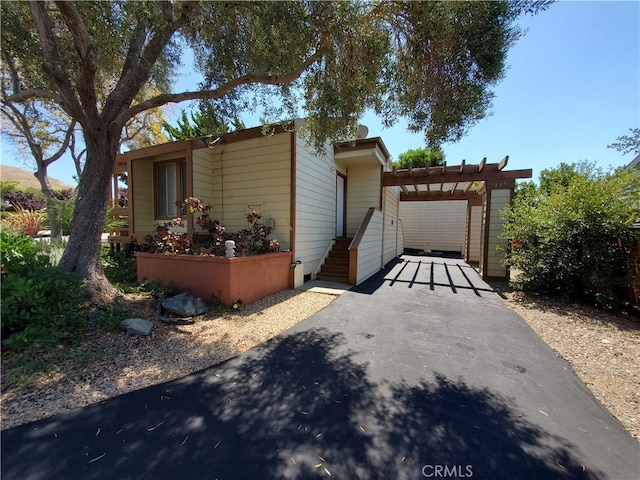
(82, 254)
(52, 206)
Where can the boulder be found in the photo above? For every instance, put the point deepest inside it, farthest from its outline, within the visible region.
(137, 326)
(184, 305)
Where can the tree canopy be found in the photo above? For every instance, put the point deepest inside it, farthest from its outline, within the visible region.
(628, 143)
(420, 157)
(433, 63)
(204, 122)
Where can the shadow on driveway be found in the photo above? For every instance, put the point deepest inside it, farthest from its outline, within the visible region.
(296, 407)
(452, 274)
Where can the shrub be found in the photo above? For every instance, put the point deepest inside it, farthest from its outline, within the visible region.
(42, 308)
(569, 235)
(42, 305)
(29, 222)
(19, 253)
(249, 241)
(64, 210)
(119, 267)
(26, 200)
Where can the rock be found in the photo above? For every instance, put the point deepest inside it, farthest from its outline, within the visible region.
(184, 305)
(137, 326)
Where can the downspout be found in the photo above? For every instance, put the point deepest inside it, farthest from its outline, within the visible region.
(221, 186)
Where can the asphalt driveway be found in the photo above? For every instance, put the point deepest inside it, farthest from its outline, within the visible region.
(421, 372)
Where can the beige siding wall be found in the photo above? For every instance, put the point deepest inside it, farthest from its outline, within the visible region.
(203, 175)
(391, 200)
(254, 173)
(370, 249)
(363, 192)
(475, 234)
(499, 200)
(315, 205)
(434, 225)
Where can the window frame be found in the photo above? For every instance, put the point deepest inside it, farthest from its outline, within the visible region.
(180, 187)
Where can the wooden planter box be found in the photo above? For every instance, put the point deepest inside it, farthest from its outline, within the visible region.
(229, 279)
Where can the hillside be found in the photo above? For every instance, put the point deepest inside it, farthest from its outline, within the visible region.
(26, 179)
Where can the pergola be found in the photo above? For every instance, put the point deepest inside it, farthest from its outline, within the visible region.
(487, 186)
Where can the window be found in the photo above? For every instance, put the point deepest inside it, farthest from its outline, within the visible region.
(171, 186)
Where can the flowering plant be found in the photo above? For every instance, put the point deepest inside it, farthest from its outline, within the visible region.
(249, 241)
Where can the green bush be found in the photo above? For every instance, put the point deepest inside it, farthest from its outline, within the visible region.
(19, 252)
(64, 211)
(570, 235)
(42, 305)
(120, 267)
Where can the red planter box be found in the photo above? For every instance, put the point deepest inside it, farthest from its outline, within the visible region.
(229, 279)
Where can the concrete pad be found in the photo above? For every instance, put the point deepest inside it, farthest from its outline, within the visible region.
(327, 288)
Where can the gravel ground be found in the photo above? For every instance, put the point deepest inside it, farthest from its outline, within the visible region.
(114, 363)
(603, 349)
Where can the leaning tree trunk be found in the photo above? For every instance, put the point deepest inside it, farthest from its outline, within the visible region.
(82, 254)
(52, 204)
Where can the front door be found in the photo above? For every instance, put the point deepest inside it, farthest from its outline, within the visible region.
(341, 197)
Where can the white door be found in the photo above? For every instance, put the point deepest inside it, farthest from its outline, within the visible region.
(340, 205)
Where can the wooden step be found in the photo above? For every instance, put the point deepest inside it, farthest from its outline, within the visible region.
(343, 243)
(333, 277)
(341, 254)
(336, 260)
(336, 266)
(342, 269)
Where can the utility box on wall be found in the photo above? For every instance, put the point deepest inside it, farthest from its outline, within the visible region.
(298, 277)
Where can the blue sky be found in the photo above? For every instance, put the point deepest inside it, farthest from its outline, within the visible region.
(572, 87)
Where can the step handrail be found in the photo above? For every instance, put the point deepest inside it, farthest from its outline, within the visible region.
(355, 243)
(322, 258)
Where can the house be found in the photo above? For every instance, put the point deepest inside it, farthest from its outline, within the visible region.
(342, 214)
(328, 209)
(634, 164)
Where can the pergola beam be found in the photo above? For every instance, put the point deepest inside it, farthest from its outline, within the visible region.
(437, 195)
(486, 174)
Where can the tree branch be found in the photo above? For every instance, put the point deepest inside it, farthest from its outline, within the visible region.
(86, 50)
(63, 147)
(53, 64)
(133, 80)
(31, 93)
(221, 91)
(13, 73)
(21, 124)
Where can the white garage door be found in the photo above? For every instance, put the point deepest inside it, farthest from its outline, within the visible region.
(434, 226)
